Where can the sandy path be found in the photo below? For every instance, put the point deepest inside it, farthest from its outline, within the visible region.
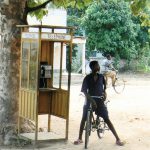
(129, 112)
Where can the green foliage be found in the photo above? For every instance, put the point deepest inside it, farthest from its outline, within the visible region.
(40, 13)
(117, 62)
(110, 28)
(76, 64)
(143, 37)
(141, 63)
(108, 23)
(141, 8)
(74, 16)
(76, 59)
(138, 7)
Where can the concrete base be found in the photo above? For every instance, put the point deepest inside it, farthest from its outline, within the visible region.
(43, 136)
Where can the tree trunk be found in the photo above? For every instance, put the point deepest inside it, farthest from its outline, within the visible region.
(10, 15)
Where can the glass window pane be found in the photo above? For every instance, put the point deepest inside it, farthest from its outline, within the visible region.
(56, 64)
(65, 61)
(25, 50)
(0, 40)
(33, 66)
(24, 70)
(24, 80)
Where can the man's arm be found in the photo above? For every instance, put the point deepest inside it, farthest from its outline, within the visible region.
(84, 90)
(104, 83)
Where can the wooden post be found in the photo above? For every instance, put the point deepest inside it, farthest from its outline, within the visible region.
(61, 58)
(38, 77)
(69, 82)
(83, 59)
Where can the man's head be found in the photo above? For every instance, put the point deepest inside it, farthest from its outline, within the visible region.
(108, 56)
(94, 65)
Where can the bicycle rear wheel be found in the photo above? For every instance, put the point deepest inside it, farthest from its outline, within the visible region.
(87, 129)
(119, 85)
(100, 133)
(101, 128)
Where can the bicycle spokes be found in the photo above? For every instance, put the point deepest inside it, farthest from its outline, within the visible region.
(119, 85)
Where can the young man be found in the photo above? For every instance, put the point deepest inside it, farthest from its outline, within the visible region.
(108, 69)
(94, 85)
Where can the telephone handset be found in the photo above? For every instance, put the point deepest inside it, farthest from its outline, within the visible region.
(45, 73)
(42, 71)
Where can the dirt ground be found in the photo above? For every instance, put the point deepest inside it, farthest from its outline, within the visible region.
(129, 112)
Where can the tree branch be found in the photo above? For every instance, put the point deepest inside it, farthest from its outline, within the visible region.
(31, 9)
(25, 13)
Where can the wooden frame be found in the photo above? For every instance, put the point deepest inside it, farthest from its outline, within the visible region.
(50, 100)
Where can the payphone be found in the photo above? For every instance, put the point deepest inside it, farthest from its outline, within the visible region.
(45, 73)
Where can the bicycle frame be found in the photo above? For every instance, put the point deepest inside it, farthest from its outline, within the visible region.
(93, 124)
(119, 83)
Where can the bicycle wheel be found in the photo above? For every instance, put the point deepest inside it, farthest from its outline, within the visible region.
(101, 128)
(119, 85)
(87, 129)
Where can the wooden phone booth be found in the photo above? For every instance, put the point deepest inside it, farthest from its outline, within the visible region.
(45, 51)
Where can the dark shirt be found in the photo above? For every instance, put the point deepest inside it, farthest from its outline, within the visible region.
(94, 88)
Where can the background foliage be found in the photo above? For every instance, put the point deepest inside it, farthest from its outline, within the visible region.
(109, 24)
(111, 27)
(138, 7)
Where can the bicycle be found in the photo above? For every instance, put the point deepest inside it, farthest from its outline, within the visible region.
(93, 124)
(119, 84)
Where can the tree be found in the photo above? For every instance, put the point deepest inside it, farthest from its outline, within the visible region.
(109, 28)
(9, 67)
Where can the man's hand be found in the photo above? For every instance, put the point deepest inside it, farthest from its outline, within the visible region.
(94, 105)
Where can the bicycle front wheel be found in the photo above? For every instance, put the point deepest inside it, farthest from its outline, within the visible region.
(87, 129)
(119, 85)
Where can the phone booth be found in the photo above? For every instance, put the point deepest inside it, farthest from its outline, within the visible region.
(45, 51)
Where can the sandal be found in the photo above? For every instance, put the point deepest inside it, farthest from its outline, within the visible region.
(77, 142)
(120, 143)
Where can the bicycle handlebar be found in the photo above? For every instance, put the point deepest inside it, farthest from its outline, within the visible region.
(101, 97)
